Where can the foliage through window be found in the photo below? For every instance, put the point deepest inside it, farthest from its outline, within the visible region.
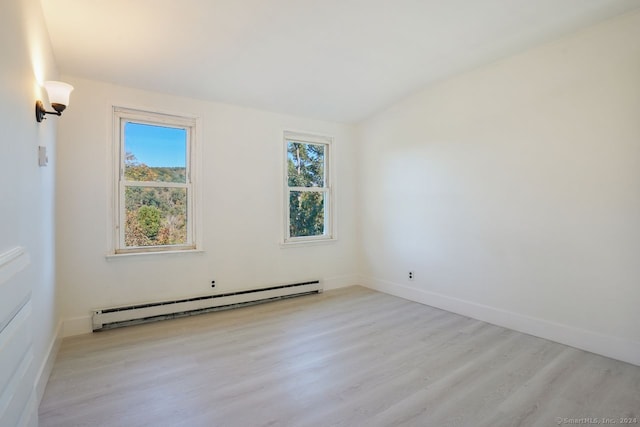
(155, 194)
(308, 190)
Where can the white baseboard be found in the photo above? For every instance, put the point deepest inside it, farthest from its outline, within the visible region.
(340, 282)
(605, 345)
(47, 364)
(76, 326)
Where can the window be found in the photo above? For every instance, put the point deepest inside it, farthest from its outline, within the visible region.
(155, 197)
(308, 192)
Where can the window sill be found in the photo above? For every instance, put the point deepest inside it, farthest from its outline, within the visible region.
(151, 253)
(302, 243)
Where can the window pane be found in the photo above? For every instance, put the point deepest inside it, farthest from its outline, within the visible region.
(305, 164)
(155, 153)
(155, 216)
(306, 213)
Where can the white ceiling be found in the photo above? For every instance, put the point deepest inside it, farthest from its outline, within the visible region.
(339, 60)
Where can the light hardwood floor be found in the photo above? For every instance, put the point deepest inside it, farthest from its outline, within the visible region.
(349, 357)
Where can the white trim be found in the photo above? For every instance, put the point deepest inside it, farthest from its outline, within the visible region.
(17, 398)
(330, 216)
(156, 252)
(307, 241)
(310, 189)
(154, 184)
(152, 117)
(305, 137)
(610, 346)
(12, 262)
(47, 364)
(30, 415)
(191, 124)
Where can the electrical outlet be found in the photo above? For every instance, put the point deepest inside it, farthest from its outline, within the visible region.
(412, 275)
(213, 283)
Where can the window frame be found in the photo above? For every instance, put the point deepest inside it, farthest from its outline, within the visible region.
(122, 115)
(328, 189)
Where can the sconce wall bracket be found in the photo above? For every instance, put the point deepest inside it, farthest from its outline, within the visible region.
(40, 111)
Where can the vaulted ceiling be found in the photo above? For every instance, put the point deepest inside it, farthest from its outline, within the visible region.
(339, 60)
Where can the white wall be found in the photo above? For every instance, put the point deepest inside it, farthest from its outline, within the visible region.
(27, 191)
(513, 191)
(242, 152)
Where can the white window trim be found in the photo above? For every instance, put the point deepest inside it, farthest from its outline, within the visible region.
(329, 189)
(192, 124)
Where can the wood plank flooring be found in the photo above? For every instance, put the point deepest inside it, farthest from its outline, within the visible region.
(349, 357)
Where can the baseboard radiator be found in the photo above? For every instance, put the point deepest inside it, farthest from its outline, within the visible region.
(115, 317)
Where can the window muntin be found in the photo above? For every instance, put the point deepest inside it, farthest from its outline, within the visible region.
(155, 189)
(307, 188)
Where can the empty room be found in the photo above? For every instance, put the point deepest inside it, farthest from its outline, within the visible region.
(319, 213)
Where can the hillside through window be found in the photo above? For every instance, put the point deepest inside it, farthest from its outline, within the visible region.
(155, 190)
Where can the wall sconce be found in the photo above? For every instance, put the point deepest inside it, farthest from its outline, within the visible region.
(58, 97)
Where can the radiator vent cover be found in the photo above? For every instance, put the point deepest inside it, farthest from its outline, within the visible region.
(114, 317)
